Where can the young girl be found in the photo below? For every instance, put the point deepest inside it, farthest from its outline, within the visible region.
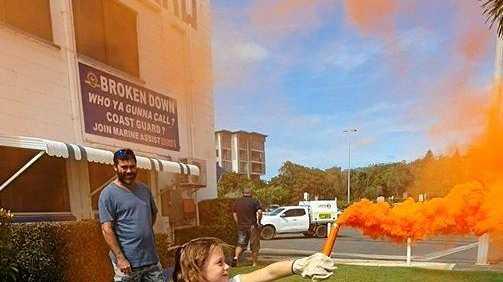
(203, 260)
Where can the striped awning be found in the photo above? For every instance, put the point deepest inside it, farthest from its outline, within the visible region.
(79, 152)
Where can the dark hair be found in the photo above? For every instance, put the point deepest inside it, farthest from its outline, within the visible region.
(191, 256)
(124, 155)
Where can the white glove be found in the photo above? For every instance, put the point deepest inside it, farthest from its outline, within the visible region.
(316, 267)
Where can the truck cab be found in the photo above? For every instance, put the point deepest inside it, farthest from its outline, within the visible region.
(288, 219)
(309, 217)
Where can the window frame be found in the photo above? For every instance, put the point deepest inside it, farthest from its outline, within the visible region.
(106, 64)
(49, 41)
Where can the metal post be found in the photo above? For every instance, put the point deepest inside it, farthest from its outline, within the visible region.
(349, 170)
(349, 131)
(483, 250)
(409, 251)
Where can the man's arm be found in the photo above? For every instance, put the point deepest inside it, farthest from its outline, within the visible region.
(235, 216)
(153, 207)
(113, 244)
(259, 215)
(154, 218)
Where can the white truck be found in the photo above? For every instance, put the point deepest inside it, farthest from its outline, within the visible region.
(309, 217)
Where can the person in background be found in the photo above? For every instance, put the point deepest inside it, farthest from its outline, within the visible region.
(247, 214)
(127, 214)
(203, 259)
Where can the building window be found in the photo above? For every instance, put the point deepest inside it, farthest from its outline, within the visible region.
(105, 30)
(186, 10)
(32, 16)
(41, 188)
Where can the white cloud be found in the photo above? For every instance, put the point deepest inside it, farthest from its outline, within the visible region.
(249, 52)
(345, 56)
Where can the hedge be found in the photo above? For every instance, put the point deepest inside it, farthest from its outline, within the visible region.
(70, 251)
(216, 212)
(76, 251)
(228, 233)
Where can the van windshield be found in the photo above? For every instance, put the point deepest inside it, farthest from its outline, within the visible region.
(276, 211)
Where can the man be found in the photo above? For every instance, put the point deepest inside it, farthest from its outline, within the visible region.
(247, 214)
(127, 215)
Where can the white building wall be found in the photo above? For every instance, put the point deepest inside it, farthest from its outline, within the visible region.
(39, 89)
(34, 95)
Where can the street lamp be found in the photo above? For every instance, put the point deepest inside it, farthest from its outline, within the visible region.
(349, 131)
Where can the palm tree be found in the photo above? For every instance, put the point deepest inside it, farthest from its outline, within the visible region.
(493, 10)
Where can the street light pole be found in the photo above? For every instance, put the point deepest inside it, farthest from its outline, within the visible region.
(349, 131)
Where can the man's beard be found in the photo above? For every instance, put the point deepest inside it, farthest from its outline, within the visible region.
(127, 178)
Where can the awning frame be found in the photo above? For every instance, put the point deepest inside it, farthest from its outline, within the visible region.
(21, 170)
(79, 152)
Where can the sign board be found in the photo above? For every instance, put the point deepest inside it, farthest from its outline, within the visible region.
(116, 108)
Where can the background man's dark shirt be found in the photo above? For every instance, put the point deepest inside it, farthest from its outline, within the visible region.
(246, 209)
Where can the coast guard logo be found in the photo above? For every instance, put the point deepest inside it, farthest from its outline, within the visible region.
(91, 79)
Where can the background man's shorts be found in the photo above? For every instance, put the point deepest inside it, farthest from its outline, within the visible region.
(251, 235)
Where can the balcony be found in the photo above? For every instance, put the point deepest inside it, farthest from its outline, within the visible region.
(257, 146)
(243, 167)
(243, 155)
(257, 157)
(226, 155)
(227, 165)
(258, 168)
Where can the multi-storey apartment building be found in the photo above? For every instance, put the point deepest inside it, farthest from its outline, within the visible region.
(242, 152)
(81, 78)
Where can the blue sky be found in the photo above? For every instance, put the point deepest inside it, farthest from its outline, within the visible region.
(302, 71)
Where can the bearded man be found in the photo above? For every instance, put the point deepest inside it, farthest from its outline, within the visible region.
(127, 215)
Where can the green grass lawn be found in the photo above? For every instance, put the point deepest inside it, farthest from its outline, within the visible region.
(370, 274)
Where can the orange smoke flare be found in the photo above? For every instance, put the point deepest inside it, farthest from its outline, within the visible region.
(330, 241)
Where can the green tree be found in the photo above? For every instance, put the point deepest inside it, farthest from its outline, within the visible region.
(299, 179)
(231, 184)
(270, 194)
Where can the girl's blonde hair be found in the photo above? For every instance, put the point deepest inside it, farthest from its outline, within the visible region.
(191, 257)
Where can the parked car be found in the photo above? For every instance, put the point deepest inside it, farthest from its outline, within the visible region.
(309, 217)
(270, 209)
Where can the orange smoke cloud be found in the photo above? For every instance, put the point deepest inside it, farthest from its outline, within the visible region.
(474, 38)
(473, 207)
(372, 16)
(457, 213)
(281, 18)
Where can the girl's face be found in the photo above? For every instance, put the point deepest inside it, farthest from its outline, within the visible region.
(215, 269)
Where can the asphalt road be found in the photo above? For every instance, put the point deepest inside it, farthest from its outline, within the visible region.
(351, 243)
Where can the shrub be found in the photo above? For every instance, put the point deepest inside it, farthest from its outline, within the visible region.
(216, 212)
(69, 251)
(227, 233)
(8, 269)
(35, 247)
(163, 242)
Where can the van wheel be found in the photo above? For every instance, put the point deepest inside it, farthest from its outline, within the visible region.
(320, 231)
(268, 232)
(308, 234)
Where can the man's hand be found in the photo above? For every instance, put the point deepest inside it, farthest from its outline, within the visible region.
(317, 266)
(123, 265)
